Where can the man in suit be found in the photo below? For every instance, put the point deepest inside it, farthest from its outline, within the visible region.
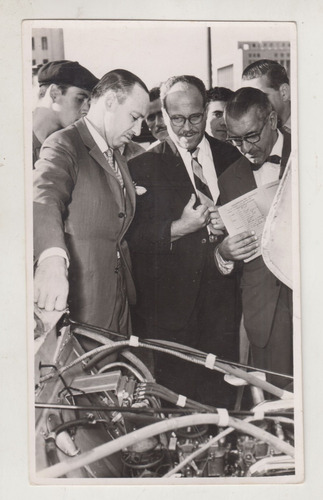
(271, 77)
(84, 201)
(266, 301)
(182, 297)
(64, 96)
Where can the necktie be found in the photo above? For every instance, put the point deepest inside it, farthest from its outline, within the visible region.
(274, 159)
(203, 190)
(271, 159)
(113, 164)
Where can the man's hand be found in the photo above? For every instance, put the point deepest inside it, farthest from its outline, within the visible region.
(51, 284)
(191, 220)
(216, 225)
(239, 247)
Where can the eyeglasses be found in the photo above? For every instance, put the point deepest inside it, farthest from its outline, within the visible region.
(180, 120)
(251, 139)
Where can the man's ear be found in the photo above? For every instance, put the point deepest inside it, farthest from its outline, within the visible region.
(273, 117)
(284, 91)
(54, 92)
(110, 99)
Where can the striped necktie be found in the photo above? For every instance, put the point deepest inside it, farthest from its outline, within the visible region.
(114, 165)
(203, 190)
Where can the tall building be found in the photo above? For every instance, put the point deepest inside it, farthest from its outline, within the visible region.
(276, 51)
(228, 68)
(47, 45)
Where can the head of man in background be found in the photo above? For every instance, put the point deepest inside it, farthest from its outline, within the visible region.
(271, 77)
(154, 118)
(252, 124)
(215, 124)
(64, 96)
(184, 110)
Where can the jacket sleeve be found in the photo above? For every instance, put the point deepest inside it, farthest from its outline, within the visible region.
(54, 180)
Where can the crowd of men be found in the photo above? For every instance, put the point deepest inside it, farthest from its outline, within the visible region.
(131, 239)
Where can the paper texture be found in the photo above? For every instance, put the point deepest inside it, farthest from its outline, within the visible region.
(249, 212)
(277, 238)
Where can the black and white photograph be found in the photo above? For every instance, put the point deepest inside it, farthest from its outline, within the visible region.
(162, 169)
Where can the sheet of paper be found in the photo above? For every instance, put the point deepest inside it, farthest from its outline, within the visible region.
(249, 212)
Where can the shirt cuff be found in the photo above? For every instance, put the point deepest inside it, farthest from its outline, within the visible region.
(54, 252)
(224, 266)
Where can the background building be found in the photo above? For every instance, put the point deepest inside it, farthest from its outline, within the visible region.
(227, 67)
(47, 45)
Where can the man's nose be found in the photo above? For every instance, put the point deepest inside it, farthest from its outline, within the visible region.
(137, 127)
(86, 105)
(187, 125)
(245, 147)
(159, 120)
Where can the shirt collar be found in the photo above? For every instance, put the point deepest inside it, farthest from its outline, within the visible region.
(98, 139)
(202, 147)
(278, 146)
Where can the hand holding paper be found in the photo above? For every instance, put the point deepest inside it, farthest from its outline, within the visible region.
(245, 214)
(240, 247)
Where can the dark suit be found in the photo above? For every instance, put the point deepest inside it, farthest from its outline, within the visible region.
(181, 295)
(79, 206)
(266, 302)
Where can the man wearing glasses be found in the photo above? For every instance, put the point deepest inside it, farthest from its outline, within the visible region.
(182, 297)
(266, 301)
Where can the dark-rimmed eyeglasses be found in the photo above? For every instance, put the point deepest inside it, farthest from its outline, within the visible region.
(251, 138)
(180, 120)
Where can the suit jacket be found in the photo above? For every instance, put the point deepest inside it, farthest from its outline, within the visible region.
(260, 288)
(132, 149)
(168, 275)
(79, 206)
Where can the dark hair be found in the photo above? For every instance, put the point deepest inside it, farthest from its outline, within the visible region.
(219, 94)
(188, 79)
(244, 99)
(120, 81)
(154, 94)
(275, 72)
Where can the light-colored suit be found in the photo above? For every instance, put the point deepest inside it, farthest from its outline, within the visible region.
(79, 206)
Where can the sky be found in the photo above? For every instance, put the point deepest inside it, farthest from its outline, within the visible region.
(155, 50)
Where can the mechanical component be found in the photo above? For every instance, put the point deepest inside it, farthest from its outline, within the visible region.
(80, 412)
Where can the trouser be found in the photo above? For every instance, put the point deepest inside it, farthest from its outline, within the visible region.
(277, 355)
(212, 327)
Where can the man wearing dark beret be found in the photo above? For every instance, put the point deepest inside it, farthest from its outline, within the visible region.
(64, 97)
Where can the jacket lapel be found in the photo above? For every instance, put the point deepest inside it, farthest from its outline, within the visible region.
(246, 179)
(98, 156)
(175, 171)
(94, 150)
(129, 187)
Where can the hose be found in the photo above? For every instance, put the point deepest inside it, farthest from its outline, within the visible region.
(124, 365)
(220, 366)
(112, 447)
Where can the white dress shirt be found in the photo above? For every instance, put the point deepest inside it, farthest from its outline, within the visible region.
(269, 172)
(205, 159)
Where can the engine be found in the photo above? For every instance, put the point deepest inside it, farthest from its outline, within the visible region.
(99, 413)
